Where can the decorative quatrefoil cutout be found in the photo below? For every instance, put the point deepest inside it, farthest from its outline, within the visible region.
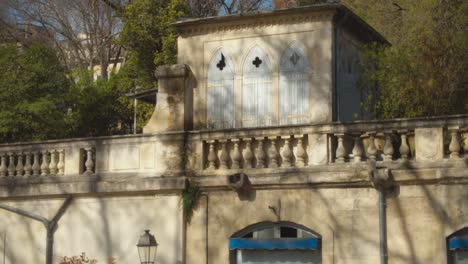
(257, 62)
(294, 58)
(222, 63)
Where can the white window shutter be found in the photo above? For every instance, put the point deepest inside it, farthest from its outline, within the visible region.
(220, 101)
(294, 87)
(257, 108)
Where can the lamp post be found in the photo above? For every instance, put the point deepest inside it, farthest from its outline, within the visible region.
(147, 246)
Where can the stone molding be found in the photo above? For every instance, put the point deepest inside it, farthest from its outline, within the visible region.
(89, 186)
(168, 71)
(254, 23)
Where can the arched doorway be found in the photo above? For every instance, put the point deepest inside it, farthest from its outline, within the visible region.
(457, 247)
(275, 243)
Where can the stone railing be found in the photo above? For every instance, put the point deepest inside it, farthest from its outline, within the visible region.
(165, 154)
(134, 154)
(46, 158)
(401, 140)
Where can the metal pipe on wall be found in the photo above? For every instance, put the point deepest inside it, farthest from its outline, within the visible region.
(383, 226)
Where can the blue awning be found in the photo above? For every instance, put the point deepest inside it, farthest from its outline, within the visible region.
(271, 244)
(458, 243)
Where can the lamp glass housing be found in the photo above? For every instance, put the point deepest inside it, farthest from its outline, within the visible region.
(147, 247)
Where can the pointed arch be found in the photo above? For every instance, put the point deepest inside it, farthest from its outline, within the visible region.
(294, 86)
(257, 91)
(220, 92)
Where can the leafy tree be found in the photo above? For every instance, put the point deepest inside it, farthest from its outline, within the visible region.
(39, 100)
(149, 37)
(99, 107)
(423, 72)
(33, 94)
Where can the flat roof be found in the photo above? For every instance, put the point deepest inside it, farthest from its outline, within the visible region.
(342, 11)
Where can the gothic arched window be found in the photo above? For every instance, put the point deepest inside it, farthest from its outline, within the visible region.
(257, 91)
(275, 243)
(220, 102)
(294, 87)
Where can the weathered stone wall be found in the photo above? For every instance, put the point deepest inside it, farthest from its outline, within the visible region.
(103, 228)
(419, 220)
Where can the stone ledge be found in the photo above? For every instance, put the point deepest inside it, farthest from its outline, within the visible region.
(337, 179)
(344, 167)
(91, 185)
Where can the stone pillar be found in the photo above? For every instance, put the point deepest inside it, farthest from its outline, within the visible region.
(173, 111)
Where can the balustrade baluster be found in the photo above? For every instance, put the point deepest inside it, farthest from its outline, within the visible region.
(236, 155)
(260, 154)
(371, 149)
(211, 156)
(388, 147)
(272, 153)
(3, 167)
(454, 146)
(53, 162)
(247, 154)
(223, 157)
(340, 149)
(61, 162)
(11, 164)
(27, 164)
(36, 167)
(358, 148)
(300, 152)
(19, 165)
(89, 164)
(404, 148)
(45, 163)
(286, 153)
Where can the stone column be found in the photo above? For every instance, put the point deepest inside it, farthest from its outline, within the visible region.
(174, 106)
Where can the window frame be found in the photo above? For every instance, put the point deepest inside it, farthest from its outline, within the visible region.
(296, 76)
(227, 83)
(261, 79)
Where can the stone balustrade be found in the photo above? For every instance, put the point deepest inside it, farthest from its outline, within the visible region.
(299, 146)
(258, 152)
(146, 155)
(45, 159)
(401, 140)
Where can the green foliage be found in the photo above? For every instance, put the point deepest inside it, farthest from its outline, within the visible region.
(150, 40)
(98, 108)
(33, 94)
(424, 72)
(149, 37)
(39, 100)
(189, 200)
(125, 81)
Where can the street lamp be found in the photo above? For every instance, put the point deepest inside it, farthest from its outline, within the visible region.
(147, 246)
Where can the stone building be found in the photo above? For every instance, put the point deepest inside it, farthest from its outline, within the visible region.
(259, 116)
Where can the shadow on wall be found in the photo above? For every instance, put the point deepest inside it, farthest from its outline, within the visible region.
(105, 229)
(352, 215)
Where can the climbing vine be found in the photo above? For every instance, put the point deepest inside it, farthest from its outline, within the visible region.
(189, 200)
